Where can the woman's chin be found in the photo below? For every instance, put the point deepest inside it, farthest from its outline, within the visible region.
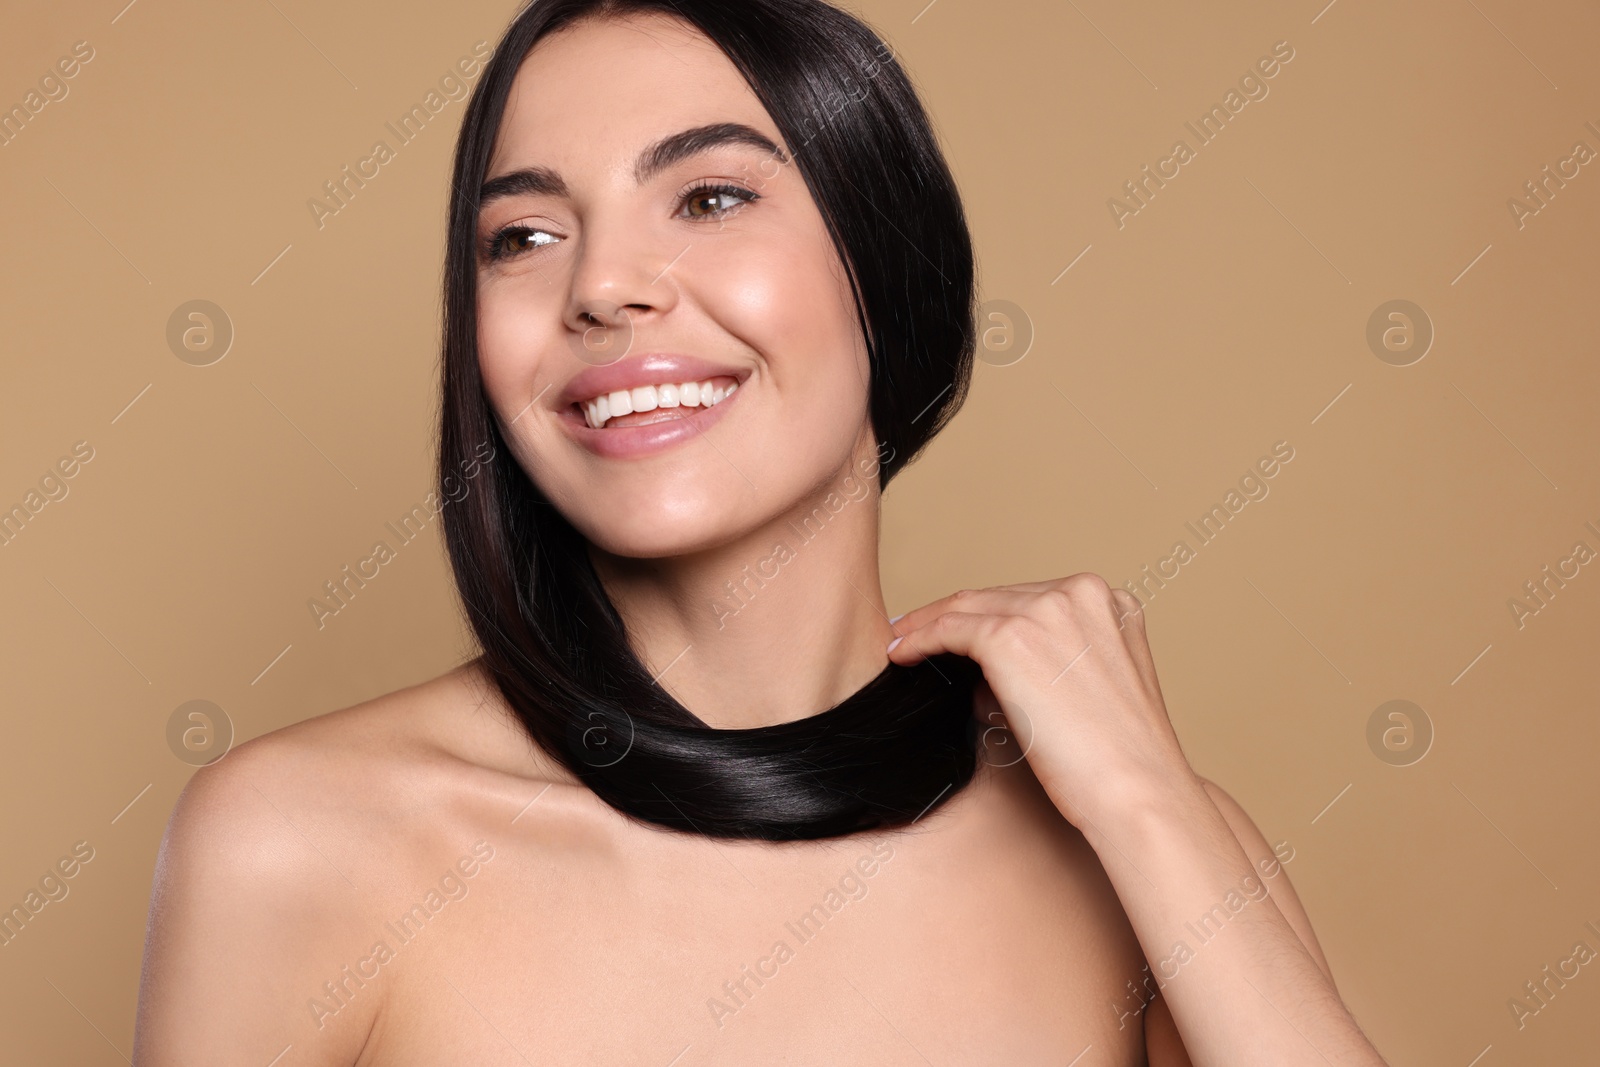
(658, 538)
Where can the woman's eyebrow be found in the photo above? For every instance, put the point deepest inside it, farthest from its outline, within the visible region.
(669, 150)
(537, 181)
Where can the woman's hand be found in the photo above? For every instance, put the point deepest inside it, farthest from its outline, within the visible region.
(1070, 666)
(1071, 669)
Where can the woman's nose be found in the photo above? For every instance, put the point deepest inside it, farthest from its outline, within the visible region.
(622, 275)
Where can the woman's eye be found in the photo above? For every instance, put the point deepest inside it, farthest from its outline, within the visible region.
(705, 202)
(513, 240)
(709, 201)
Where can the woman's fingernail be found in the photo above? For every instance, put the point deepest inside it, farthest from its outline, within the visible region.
(896, 619)
(896, 641)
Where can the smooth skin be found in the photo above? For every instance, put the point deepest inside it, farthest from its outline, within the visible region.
(411, 881)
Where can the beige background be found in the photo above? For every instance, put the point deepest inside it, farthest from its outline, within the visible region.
(1228, 314)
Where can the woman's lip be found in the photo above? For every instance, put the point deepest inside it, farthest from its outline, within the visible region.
(631, 442)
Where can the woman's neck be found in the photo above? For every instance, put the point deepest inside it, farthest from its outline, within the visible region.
(780, 624)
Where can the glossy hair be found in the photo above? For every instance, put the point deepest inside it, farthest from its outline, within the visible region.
(552, 640)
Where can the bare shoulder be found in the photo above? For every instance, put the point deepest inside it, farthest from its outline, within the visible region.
(371, 761)
(277, 857)
(342, 776)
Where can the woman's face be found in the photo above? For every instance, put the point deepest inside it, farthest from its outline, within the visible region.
(615, 246)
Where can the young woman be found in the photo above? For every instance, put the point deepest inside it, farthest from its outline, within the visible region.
(700, 800)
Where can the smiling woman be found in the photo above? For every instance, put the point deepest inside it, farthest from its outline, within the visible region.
(705, 263)
(719, 313)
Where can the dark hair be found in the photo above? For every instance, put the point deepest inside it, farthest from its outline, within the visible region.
(552, 640)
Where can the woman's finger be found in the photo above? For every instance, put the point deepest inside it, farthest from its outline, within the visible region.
(1130, 622)
(1001, 600)
(1086, 585)
(961, 632)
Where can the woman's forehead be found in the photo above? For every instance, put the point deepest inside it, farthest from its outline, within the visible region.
(601, 91)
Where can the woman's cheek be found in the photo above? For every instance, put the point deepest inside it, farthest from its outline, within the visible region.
(507, 355)
(748, 297)
(783, 308)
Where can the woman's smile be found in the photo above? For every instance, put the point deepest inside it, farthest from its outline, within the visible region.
(671, 414)
(634, 407)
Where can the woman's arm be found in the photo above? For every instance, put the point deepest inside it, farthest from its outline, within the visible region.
(1071, 669)
(239, 913)
(1163, 1043)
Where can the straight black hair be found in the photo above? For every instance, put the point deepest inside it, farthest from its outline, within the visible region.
(552, 640)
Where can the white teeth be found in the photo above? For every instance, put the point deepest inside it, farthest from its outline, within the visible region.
(649, 397)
